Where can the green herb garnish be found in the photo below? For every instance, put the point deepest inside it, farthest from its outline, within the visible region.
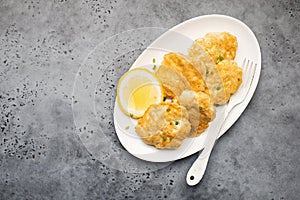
(165, 138)
(154, 67)
(131, 115)
(127, 127)
(176, 123)
(218, 88)
(219, 59)
(165, 98)
(168, 109)
(153, 60)
(200, 108)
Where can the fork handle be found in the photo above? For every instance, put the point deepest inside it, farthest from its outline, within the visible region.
(197, 170)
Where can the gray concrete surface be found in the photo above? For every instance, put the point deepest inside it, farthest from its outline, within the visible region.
(43, 43)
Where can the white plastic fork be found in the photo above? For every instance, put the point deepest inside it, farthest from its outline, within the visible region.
(198, 168)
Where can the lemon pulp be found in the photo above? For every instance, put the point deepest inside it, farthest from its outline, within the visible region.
(137, 90)
(143, 96)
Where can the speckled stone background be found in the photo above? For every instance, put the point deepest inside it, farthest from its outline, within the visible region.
(43, 43)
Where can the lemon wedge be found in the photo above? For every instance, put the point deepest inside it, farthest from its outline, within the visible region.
(137, 90)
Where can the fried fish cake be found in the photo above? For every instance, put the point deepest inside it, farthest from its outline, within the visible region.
(198, 63)
(178, 74)
(231, 75)
(212, 77)
(219, 45)
(200, 110)
(164, 125)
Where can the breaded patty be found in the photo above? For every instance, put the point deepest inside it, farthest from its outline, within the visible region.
(212, 77)
(231, 75)
(199, 64)
(200, 110)
(178, 75)
(219, 45)
(164, 125)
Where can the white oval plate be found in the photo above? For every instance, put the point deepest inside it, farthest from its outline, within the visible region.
(179, 39)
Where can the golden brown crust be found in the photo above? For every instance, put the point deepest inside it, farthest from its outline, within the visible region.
(178, 74)
(219, 45)
(212, 77)
(164, 125)
(200, 109)
(231, 75)
(184, 67)
(168, 93)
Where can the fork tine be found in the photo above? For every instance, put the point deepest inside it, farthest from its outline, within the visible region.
(248, 73)
(245, 73)
(253, 69)
(241, 94)
(250, 76)
(244, 63)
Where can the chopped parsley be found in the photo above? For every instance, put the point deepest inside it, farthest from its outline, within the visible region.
(131, 115)
(219, 59)
(218, 88)
(127, 127)
(165, 98)
(200, 108)
(154, 67)
(165, 138)
(168, 109)
(207, 72)
(153, 60)
(176, 123)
